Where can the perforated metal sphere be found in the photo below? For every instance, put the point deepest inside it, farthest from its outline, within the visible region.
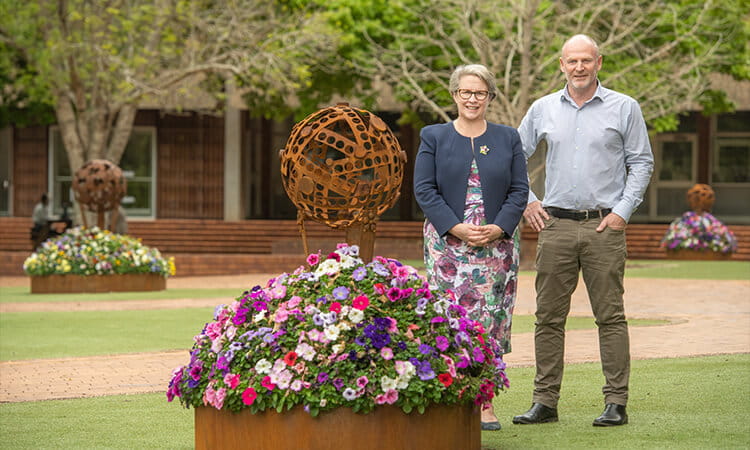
(341, 165)
(99, 185)
(701, 198)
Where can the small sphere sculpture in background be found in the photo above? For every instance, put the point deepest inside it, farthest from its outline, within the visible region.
(701, 198)
(343, 166)
(99, 185)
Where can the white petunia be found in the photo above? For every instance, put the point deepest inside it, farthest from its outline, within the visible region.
(263, 366)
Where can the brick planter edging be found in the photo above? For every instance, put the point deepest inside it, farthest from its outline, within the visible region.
(65, 284)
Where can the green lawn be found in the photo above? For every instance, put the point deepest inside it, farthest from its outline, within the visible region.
(31, 335)
(675, 403)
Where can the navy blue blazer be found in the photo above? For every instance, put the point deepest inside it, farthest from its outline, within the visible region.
(441, 174)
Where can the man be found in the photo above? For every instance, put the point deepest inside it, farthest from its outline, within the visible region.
(598, 166)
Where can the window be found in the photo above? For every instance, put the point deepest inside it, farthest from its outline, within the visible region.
(675, 156)
(137, 164)
(730, 167)
(732, 161)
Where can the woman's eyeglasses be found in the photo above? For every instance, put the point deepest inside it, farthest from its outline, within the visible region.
(466, 94)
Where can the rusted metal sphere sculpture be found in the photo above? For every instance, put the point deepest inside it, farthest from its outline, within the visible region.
(99, 185)
(701, 198)
(343, 167)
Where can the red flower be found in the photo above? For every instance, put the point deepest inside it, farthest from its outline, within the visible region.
(290, 359)
(334, 255)
(335, 307)
(446, 379)
(248, 397)
(379, 288)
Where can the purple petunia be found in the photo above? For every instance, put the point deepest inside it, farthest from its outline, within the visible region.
(424, 370)
(341, 293)
(442, 343)
(478, 354)
(426, 349)
(359, 273)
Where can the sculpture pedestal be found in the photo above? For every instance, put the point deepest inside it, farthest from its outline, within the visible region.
(698, 255)
(66, 284)
(387, 427)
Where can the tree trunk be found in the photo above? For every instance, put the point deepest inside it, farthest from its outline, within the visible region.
(121, 133)
(66, 120)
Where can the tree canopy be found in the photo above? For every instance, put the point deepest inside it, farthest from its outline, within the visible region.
(92, 62)
(660, 52)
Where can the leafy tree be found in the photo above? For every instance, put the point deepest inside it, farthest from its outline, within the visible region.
(94, 61)
(660, 52)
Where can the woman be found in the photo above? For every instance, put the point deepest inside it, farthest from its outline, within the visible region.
(470, 181)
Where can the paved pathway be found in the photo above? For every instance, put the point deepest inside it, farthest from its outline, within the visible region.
(706, 317)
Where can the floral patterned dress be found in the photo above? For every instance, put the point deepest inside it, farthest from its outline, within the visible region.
(483, 279)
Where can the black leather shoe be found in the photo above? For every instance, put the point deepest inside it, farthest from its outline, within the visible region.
(613, 415)
(537, 414)
(491, 426)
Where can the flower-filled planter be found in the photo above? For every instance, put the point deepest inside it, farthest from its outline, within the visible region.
(341, 337)
(94, 260)
(699, 236)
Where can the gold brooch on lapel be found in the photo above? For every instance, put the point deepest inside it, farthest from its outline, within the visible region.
(484, 149)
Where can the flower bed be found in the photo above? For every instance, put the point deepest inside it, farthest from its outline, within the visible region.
(340, 334)
(91, 251)
(699, 233)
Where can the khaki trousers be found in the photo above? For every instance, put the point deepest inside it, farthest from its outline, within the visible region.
(565, 248)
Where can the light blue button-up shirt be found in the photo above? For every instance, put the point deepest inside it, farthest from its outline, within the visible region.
(598, 155)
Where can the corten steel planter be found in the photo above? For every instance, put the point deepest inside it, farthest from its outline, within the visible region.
(65, 284)
(387, 427)
(698, 255)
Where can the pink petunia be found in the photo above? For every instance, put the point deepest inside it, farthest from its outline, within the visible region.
(294, 301)
(232, 380)
(335, 307)
(219, 397)
(386, 353)
(281, 315)
(361, 302)
(266, 383)
(313, 259)
(248, 397)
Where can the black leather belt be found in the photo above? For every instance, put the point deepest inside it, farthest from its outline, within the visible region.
(578, 214)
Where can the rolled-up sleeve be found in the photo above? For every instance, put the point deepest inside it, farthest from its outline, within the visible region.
(639, 161)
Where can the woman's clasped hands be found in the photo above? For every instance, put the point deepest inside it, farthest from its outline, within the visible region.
(477, 235)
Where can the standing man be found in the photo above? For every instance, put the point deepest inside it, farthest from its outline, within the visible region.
(598, 166)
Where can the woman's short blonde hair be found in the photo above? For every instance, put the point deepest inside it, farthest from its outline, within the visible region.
(473, 69)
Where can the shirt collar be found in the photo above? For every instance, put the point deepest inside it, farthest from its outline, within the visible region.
(599, 93)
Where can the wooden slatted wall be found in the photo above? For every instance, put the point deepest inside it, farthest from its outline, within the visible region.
(190, 167)
(29, 168)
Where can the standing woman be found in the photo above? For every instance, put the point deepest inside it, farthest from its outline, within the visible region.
(470, 181)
